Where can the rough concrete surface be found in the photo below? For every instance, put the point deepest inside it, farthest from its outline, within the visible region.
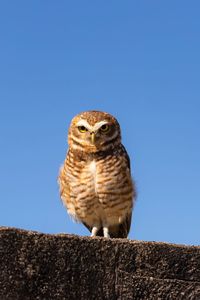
(43, 266)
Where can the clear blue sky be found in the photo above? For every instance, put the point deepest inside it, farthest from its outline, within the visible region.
(139, 60)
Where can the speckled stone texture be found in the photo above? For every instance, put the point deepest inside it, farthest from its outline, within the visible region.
(43, 266)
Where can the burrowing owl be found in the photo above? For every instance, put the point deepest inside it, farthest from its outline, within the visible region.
(95, 180)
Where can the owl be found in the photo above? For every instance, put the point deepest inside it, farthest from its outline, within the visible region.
(95, 180)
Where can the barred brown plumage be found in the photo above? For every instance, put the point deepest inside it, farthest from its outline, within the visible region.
(95, 179)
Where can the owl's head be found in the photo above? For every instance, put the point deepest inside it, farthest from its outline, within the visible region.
(94, 131)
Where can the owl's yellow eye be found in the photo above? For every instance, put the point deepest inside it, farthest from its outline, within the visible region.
(82, 129)
(105, 128)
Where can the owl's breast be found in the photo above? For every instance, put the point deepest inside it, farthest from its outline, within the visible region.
(109, 176)
(94, 174)
(99, 177)
(98, 189)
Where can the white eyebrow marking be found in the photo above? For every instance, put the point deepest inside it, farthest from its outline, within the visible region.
(85, 124)
(99, 124)
(89, 127)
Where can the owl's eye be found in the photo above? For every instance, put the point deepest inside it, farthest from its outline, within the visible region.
(82, 129)
(105, 128)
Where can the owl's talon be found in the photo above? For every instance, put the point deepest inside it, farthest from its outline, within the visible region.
(94, 231)
(105, 232)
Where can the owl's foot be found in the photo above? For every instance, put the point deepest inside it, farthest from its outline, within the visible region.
(106, 232)
(94, 231)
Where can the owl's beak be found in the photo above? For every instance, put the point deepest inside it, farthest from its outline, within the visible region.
(93, 137)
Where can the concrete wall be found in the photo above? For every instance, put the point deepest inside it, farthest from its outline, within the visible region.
(42, 266)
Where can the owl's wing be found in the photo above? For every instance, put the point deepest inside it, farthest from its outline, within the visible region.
(123, 228)
(126, 157)
(64, 189)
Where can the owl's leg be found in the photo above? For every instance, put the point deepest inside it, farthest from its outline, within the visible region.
(106, 232)
(94, 230)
